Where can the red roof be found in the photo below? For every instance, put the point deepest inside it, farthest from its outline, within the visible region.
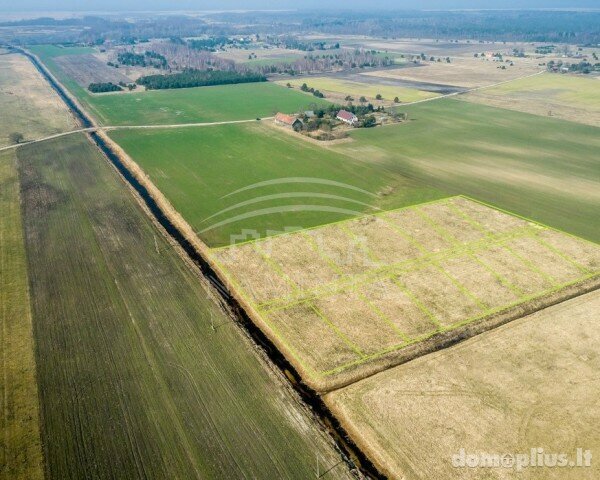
(283, 118)
(345, 115)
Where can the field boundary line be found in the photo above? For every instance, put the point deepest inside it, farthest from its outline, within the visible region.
(367, 250)
(355, 348)
(355, 290)
(391, 270)
(459, 324)
(454, 241)
(334, 223)
(265, 317)
(564, 256)
(513, 288)
(381, 315)
(508, 212)
(231, 278)
(472, 254)
(464, 290)
(413, 298)
(530, 264)
(277, 270)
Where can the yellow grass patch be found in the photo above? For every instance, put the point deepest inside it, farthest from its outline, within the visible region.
(355, 297)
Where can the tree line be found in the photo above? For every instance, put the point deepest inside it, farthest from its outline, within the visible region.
(198, 78)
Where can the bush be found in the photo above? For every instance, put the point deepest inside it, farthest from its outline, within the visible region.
(104, 87)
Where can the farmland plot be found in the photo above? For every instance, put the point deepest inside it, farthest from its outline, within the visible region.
(28, 104)
(352, 298)
(531, 384)
(86, 69)
(20, 447)
(570, 97)
(134, 382)
(462, 72)
(542, 168)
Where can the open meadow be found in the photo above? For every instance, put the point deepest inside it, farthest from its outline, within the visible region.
(28, 104)
(542, 168)
(337, 90)
(230, 178)
(569, 97)
(461, 72)
(261, 56)
(531, 384)
(20, 446)
(140, 373)
(353, 298)
(186, 105)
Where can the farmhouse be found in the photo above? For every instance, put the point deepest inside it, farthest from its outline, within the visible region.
(289, 121)
(347, 117)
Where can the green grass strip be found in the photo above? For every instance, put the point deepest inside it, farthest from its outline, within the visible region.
(355, 348)
(530, 264)
(277, 270)
(562, 255)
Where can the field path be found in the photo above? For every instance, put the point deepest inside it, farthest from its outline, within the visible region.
(230, 122)
(130, 127)
(474, 89)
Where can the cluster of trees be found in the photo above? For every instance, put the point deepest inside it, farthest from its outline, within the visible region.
(181, 56)
(306, 88)
(545, 49)
(147, 59)
(292, 43)
(581, 67)
(198, 78)
(341, 60)
(104, 87)
(209, 44)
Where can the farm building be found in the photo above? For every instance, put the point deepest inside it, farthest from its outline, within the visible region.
(347, 117)
(289, 121)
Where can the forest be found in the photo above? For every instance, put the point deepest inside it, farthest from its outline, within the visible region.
(198, 78)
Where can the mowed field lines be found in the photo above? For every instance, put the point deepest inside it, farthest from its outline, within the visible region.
(542, 168)
(229, 178)
(352, 298)
(20, 447)
(133, 381)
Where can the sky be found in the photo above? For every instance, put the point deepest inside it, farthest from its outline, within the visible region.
(171, 5)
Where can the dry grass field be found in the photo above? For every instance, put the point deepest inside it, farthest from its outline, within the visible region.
(532, 383)
(20, 446)
(263, 55)
(28, 104)
(462, 72)
(336, 90)
(569, 97)
(352, 298)
(86, 69)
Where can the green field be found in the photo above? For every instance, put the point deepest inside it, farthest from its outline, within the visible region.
(20, 447)
(197, 168)
(133, 381)
(542, 168)
(189, 105)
